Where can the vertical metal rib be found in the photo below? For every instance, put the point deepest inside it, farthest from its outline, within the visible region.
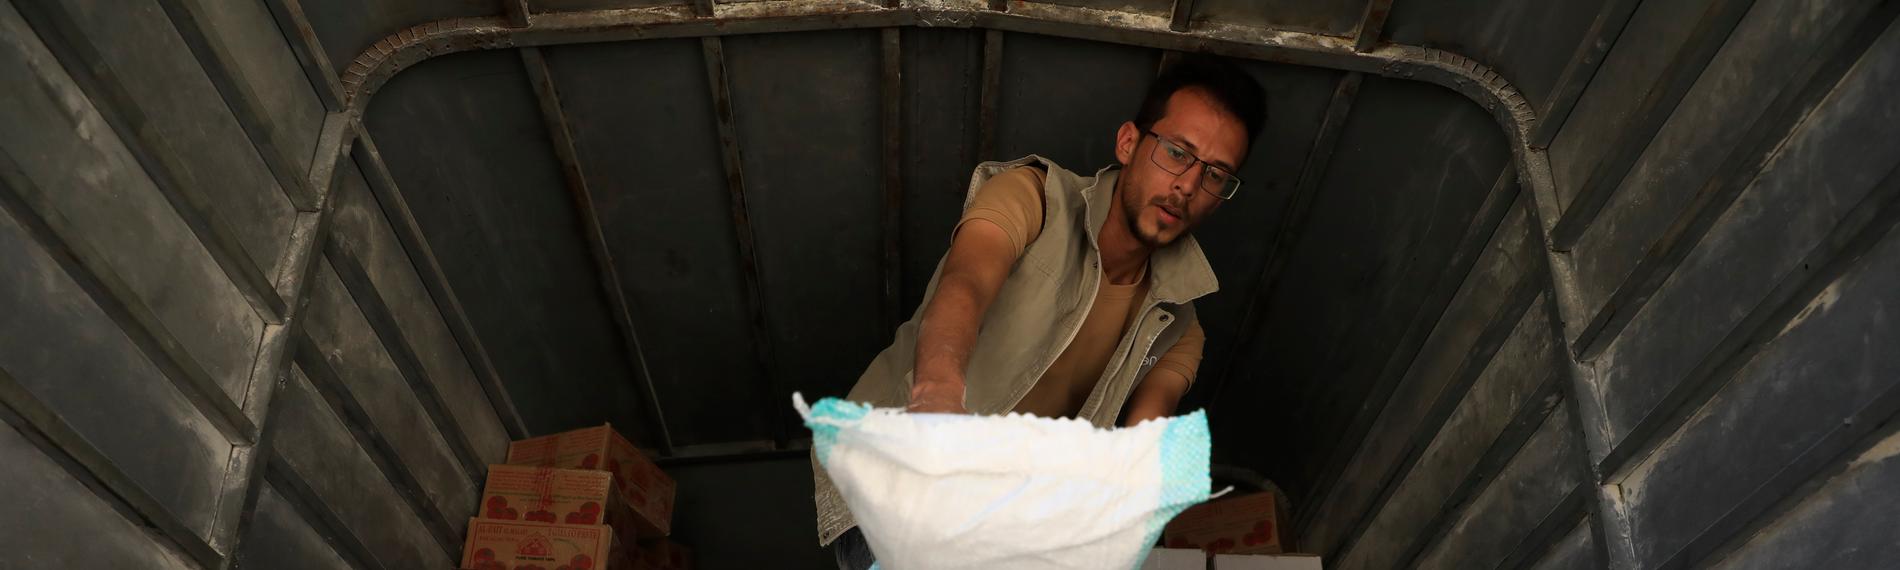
(1372, 25)
(891, 123)
(309, 50)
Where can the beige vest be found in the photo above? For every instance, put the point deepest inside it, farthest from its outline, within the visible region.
(1038, 311)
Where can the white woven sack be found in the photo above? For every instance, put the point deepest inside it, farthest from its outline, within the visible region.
(948, 491)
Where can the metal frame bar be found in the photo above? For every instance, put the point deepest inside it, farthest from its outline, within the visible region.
(891, 127)
(86, 267)
(517, 12)
(541, 79)
(1479, 234)
(1514, 114)
(990, 95)
(714, 52)
(1293, 226)
(1658, 104)
(214, 55)
(1371, 25)
(1806, 87)
(89, 69)
(296, 28)
(245, 472)
(338, 397)
(1181, 18)
(1582, 68)
(403, 222)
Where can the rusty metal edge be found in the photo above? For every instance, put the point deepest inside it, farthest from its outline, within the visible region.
(1371, 25)
(714, 53)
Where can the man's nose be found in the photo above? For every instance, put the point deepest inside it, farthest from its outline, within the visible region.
(1188, 179)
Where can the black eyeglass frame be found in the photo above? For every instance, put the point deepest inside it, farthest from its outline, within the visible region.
(1232, 190)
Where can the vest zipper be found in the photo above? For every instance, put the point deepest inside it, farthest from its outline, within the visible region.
(1073, 330)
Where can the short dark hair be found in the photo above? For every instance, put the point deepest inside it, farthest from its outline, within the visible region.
(1230, 86)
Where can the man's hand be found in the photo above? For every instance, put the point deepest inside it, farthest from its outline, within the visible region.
(937, 397)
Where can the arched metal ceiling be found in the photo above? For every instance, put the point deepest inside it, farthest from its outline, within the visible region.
(672, 215)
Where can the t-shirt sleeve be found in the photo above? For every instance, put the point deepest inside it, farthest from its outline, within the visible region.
(1012, 200)
(1184, 358)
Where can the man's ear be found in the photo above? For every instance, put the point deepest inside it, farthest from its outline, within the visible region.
(1126, 138)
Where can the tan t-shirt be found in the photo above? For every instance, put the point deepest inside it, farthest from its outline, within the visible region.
(1012, 200)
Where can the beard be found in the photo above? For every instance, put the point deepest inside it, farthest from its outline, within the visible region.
(1132, 209)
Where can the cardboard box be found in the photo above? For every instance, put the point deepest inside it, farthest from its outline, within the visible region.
(1247, 524)
(1175, 559)
(1266, 562)
(511, 545)
(551, 495)
(663, 555)
(647, 490)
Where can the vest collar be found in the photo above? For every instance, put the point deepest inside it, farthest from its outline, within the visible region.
(1177, 273)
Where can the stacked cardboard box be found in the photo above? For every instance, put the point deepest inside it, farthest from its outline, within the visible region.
(1247, 524)
(575, 500)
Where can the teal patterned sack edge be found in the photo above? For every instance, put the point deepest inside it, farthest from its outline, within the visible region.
(1186, 460)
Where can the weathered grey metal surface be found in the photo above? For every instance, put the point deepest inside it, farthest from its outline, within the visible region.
(1822, 175)
(346, 482)
(1434, 472)
(806, 114)
(484, 190)
(36, 484)
(1655, 33)
(1038, 111)
(940, 130)
(376, 397)
(661, 197)
(1576, 551)
(1317, 16)
(1475, 323)
(1531, 488)
(359, 223)
(95, 184)
(1371, 237)
(1706, 153)
(114, 398)
(282, 538)
(1843, 525)
(1739, 451)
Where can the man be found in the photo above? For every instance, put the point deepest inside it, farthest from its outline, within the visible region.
(1071, 296)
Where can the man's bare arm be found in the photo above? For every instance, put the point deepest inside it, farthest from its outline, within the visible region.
(973, 272)
(1156, 396)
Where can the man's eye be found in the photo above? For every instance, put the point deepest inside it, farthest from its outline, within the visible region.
(1217, 176)
(1176, 153)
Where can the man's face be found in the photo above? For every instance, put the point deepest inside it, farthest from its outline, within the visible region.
(1160, 205)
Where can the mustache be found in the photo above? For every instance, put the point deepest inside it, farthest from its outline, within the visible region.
(1178, 206)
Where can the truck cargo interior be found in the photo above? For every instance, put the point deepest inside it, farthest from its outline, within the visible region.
(1564, 284)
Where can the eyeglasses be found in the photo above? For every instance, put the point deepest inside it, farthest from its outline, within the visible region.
(1176, 160)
